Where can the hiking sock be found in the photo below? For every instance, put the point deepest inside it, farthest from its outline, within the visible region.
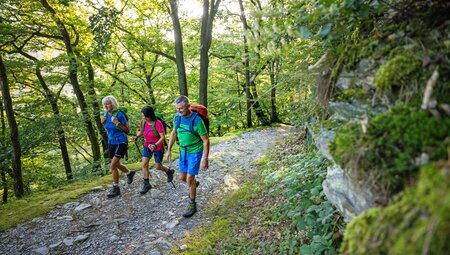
(192, 209)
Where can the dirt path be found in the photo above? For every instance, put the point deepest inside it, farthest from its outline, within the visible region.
(134, 223)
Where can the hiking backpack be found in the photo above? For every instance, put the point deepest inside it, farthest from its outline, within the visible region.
(160, 117)
(199, 110)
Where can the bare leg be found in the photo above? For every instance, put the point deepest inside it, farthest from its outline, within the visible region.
(192, 186)
(145, 172)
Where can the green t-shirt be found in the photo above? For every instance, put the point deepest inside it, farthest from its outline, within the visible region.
(192, 142)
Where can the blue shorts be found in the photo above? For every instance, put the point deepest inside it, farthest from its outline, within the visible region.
(146, 153)
(190, 163)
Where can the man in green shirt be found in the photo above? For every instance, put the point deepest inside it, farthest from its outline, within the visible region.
(194, 147)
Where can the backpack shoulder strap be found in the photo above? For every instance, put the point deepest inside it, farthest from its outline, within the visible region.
(154, 128)
(191, 129)
(177, 121)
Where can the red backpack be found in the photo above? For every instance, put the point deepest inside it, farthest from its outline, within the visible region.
(201, 111)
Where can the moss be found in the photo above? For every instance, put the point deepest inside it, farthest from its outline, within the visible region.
(391, 145)
(342, 148)
(398, 72)
(418, 223)
(203, 239)
(351, 94)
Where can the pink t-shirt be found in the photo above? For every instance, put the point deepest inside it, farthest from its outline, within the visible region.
(150, 137)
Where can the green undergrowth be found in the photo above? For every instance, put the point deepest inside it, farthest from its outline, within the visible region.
(40, 202)
(282, 210)
(417, 223)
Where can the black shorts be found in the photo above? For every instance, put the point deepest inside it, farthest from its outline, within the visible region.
(117, 150)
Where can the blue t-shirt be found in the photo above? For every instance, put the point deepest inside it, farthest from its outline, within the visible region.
(116, 136)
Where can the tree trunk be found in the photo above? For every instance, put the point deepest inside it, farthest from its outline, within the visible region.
(205, 45)
(257, 107)
(5, 186)
(182, 81)
(248, 95)
(52, 100)
(149, 80)
(14, 133)
(274, 68)
(73, 76)
(61, 135)
(96, 107)
(3, 146)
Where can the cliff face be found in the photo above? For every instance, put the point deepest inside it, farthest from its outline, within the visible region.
(388, 133)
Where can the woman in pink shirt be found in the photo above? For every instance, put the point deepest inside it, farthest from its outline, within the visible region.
(152, 130)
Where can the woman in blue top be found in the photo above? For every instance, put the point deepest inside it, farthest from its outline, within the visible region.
(117, 126)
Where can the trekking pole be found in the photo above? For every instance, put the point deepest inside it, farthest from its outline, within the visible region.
(170, 165)
(137, 147)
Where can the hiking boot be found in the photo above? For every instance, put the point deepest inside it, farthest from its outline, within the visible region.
(145, 188)
(170, 173)
(192, 209)
(130, 176)
(114, 192)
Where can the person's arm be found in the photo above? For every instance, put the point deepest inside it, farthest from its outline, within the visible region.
(172, 139)
(119, 120)
(204, 163)
(138, 135)
(125, 128)
(162, 137)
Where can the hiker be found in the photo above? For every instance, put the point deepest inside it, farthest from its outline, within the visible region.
(194, 148)
(116, 124)
(152, 130)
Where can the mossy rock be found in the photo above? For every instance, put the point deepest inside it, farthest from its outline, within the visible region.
(342, 148)
(418, 223)
(398, 72)
(349, 95)
(391, 145)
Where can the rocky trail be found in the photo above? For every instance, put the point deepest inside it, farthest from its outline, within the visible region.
(134, 223)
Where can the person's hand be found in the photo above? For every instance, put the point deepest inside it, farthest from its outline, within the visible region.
(134, 138)
(205, 164)
(152, 146)
(103, 120)
(115, 120)
(169, 156)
